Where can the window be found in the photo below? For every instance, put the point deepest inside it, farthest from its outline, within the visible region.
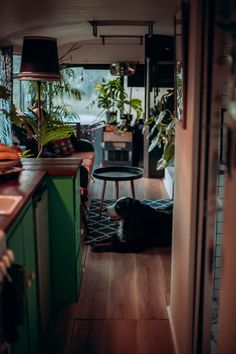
(85, 79)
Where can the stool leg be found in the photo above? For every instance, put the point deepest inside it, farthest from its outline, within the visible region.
(102, 197)
(117, 189)
(132, 188)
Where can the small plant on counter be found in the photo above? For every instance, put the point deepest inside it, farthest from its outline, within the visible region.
(44, 131)
(49, 128)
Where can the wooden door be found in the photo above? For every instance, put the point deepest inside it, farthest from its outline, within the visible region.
(227, 306)
(227, 309)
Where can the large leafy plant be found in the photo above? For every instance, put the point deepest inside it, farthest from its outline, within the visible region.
(109, 95)
(54, 95)
(162, 129)
(112, 97)
(43, 131)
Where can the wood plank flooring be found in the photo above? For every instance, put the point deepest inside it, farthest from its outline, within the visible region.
(122, 286)
(123, 297)
(121, 336)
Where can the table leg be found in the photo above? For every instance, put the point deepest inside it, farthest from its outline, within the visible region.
(102, 197)
(132, 188)
(117, 189)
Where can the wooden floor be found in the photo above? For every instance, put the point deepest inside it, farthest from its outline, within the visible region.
(123, 297)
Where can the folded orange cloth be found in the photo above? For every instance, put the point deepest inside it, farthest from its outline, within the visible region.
(9, 152)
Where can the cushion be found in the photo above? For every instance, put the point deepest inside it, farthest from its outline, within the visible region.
(62, 147)
(85, 155)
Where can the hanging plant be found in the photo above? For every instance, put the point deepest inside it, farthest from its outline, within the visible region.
(162, 130)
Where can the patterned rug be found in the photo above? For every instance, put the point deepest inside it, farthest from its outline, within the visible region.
(100, 228)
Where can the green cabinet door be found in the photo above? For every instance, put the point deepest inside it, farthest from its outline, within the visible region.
(22, 241)
(15, 243)
(64, 229)
(30, 265)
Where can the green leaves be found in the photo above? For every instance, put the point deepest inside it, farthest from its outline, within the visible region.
(111, 94)
(162, 131)
(42, 131)
(26, 154)
(112, 97)
(45, 130)
(52, 91)
(5, 94)
(136, 104)
(50, 127)
(167, 157)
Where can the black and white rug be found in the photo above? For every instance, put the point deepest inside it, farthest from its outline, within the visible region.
(101, 228)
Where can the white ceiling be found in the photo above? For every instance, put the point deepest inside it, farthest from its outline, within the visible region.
(67, 20)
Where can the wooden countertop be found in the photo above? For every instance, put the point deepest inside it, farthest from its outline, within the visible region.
(34, 170)
(54, 166)
(23, 185)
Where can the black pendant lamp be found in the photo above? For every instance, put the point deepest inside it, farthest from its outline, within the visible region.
(39, 59)
(39, 62)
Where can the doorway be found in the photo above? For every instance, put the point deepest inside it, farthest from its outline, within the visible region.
(213, 134)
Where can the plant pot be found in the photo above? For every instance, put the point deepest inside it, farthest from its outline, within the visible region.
(126, 119)
(111, 118)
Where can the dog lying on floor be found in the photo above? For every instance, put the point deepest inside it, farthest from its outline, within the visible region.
(141, 227)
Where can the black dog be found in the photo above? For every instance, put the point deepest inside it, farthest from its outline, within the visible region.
(141, 227)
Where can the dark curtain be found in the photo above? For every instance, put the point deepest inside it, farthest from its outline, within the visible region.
(6, 79)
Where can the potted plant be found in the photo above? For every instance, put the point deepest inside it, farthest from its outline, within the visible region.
(42, 132)
(112, 98)
(54, 94)
(108, 96)
(162, 130)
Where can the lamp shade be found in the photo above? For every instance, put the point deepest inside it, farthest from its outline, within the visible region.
(39, 59)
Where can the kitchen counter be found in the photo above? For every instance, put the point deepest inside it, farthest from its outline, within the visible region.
(23, 185)
(34, 170)
(54, 167)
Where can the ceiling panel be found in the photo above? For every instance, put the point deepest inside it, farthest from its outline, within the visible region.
(67, 20)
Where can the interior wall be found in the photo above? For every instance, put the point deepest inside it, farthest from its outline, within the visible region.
(185, 194)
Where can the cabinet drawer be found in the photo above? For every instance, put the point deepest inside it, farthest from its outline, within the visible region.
(113, 136)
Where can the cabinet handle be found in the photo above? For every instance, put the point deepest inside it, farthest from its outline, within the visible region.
(29, 279)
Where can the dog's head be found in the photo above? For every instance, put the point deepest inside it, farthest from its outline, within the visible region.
(123, 208)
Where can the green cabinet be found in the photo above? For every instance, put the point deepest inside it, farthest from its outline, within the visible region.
(21, 240)
(64, 230)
